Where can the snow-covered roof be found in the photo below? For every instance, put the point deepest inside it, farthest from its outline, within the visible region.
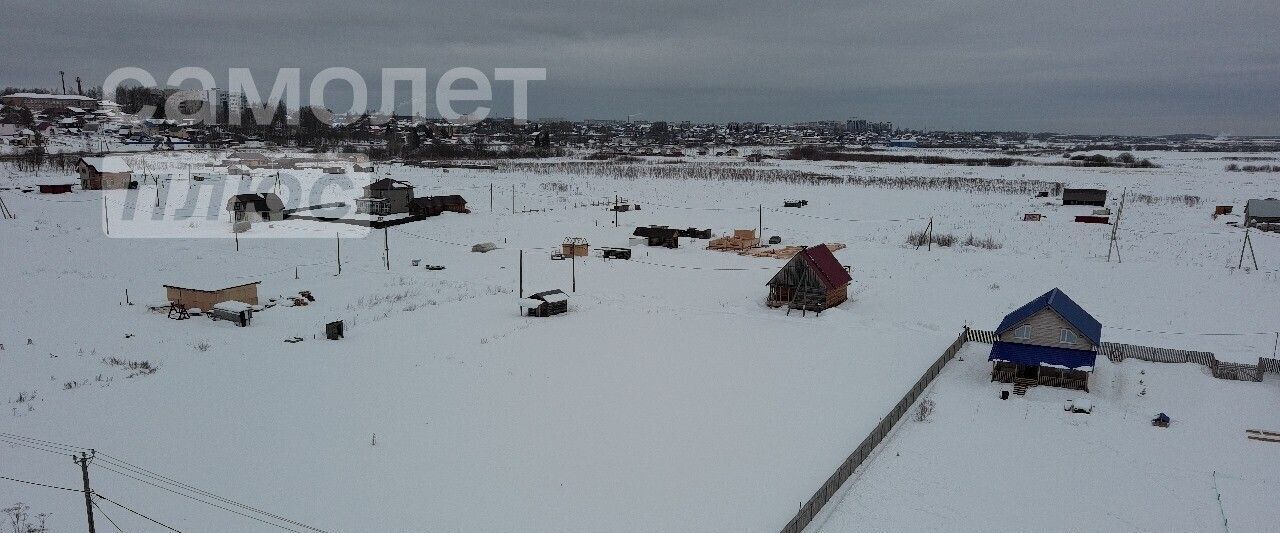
(551, 296)
(1269, 208)
(233, 306)
(108, 163)
(51, 96)
(209, 285)
(1062, 304)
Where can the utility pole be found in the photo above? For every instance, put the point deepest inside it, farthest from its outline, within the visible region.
(490, 197)
(1115, 228)
(386, 247)
(615, 210)
(83, 461)
(513, 198)
(760, 215)
(573, 268)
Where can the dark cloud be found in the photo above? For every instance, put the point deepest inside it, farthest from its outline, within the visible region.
(1129, 67)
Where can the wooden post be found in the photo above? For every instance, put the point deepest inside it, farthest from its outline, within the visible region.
(760, 232)
(573, 252)
(106, 219)
(386, 247)
(338, 237)
(490, 197)
(237, 236)
(513, 198)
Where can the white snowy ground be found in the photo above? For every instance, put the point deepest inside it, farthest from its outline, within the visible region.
(669, 398)
(982, 464)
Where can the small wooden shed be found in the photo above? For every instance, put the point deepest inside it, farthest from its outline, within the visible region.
(659, 236)
(206, 296)
(1096, 197)
(574, 247)
(55, 188)
(546, 303)
(238, 313)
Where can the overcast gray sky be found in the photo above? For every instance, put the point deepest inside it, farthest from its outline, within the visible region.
(1037, 65)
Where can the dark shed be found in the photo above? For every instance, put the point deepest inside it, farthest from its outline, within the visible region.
(1096, 197)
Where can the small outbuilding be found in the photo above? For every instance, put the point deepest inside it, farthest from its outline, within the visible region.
(546, 303)
(1049, 341)
(238, 313)
(1096, 197)
(107, 172)
(56, 188)
(429, 206)
(575, 247)
(255, 207)
(206, 296)
(813, 280)
(659, 236)
(1259, 211)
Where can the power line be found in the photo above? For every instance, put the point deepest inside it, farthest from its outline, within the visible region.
(49, 446)
(148, 473)
(190, 497)
(154, 521)
(104, 515)
(39, 484)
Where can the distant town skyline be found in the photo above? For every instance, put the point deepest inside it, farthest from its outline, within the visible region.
(1093, 68)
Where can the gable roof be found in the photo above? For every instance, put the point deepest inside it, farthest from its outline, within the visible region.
(656, 231)
(1269, 208)
(551, 296)
(1062, 304)
(386, 184)
(107, 164)
(830, 271)
(260, 201)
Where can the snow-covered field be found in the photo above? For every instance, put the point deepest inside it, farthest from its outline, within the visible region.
(981, 464)
(668, 399)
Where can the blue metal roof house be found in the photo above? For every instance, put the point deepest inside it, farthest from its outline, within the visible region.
(1049, 341)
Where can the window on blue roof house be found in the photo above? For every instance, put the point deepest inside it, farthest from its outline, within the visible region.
(1023, 332)
(1068, 337)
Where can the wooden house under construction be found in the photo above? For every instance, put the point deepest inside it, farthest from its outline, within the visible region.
(813, 280)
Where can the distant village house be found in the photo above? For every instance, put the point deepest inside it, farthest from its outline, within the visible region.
(385, 197)
(107, 172)
(255, 207)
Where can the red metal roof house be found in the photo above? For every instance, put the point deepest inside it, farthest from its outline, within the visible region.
(812, 280)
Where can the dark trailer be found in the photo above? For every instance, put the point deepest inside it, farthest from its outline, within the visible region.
(1096, 197)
